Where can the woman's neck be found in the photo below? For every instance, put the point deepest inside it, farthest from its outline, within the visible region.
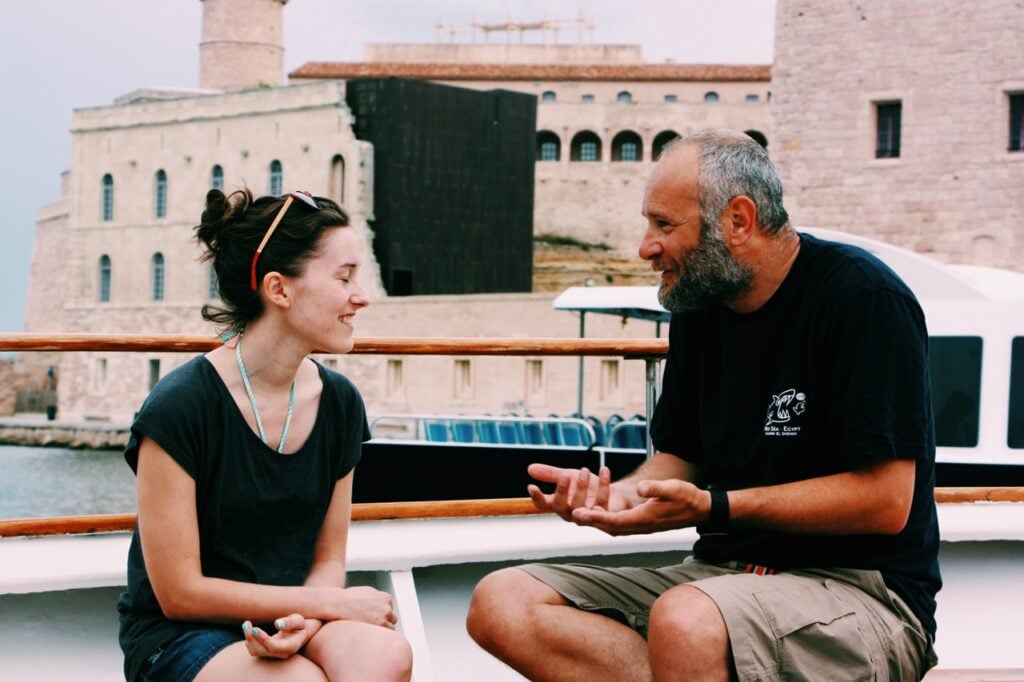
(271, 359)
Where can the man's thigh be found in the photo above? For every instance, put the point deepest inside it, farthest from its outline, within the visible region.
(809, 625)
(817, 625)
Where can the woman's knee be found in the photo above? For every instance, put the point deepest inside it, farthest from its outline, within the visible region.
(352, 650)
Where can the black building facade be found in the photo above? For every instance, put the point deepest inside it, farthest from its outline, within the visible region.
(453, 185)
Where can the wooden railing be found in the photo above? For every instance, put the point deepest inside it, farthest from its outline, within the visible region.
(627, 348)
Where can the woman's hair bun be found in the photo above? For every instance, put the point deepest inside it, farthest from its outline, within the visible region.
(221, 210)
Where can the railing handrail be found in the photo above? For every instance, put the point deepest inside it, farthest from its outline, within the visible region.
(386, 511)
(178, 343)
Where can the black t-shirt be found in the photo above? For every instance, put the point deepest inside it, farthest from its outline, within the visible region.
(830, 374)
(259, 511)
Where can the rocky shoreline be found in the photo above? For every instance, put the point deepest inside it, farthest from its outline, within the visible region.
(40, 433)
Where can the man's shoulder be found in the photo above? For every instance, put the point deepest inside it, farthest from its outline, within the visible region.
(839, 271)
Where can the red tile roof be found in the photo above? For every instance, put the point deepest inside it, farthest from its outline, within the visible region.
(536, 72)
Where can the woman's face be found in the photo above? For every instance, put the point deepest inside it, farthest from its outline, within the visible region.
(327, 295)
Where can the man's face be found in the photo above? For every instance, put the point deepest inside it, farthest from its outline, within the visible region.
(697, 268)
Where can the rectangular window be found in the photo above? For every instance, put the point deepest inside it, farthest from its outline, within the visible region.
(463, 380)
(1016, 122)
(1015, 434)
(154, 373)
(609, 387)
(587, 98)
(534, 380)
(671, 98)
(395, 382)
(753, 99)
(99, 379)
(954, 367)
(887, 138)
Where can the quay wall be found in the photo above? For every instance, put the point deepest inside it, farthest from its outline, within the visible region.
(21, 431)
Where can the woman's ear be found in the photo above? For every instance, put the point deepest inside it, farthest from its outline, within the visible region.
(276, 289)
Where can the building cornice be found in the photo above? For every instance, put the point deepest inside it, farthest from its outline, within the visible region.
(535, 72)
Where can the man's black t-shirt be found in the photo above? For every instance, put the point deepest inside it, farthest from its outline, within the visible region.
(259, 511)
(829, 375)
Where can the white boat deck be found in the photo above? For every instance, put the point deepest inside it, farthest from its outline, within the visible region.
(430, 566)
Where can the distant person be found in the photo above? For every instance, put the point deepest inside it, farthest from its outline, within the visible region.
(244, 459)
(796, 395)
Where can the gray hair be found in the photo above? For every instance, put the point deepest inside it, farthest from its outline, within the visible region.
(734, 164)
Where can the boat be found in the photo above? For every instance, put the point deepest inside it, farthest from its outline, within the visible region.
(60, 578)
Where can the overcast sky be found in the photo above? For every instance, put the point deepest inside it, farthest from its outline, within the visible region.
(58, 55)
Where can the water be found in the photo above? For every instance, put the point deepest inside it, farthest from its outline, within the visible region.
(38, 482)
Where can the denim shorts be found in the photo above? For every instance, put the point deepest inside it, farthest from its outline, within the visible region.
(181, 659)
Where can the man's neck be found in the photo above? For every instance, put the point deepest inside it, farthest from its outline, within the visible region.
(769, 270)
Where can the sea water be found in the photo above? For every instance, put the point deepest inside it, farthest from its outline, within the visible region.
(38, 482)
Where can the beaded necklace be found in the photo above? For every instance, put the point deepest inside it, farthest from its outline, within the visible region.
(252, 400)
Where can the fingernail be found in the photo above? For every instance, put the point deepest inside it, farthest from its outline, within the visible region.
(256, 632)
(279, 623)
(245, 627)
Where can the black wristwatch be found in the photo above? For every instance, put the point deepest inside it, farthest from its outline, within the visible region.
(718, 519)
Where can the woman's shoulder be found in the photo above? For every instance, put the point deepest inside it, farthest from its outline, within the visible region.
(341, 388)
(185, 385)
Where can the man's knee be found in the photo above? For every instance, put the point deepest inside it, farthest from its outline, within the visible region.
(501, 603)
(686, 615)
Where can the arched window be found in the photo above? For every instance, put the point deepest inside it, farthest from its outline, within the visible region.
(627, 146)
(104, 288)
(549, 147)
(108, 197)
(625, 97)
(548, 96)
(671, 98)
(217, 177)
(213, 291)
(711, 97)
(160, 194)
(758, 137)
(662, 140)
(276, 184)
(158, 276)
(586, 146)
(586, 99)
(336, 190)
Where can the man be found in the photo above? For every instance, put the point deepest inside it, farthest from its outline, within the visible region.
(796, 394)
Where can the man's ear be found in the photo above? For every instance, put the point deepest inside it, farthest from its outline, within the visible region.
(740, 220)
(276, 289)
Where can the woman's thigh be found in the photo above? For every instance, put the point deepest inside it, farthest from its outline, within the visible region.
(236, 663)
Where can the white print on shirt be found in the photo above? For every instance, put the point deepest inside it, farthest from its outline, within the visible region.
(781, 413)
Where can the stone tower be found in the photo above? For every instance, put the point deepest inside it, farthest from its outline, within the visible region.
(242, 44)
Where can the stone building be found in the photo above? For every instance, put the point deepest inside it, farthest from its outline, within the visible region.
(115, 253)
(902, 121)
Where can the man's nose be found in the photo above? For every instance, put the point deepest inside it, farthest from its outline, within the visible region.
(650, 248)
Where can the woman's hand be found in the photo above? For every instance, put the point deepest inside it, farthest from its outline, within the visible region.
(366, 605)
(292, 634)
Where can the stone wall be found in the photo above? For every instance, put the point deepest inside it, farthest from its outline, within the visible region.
(955, 191)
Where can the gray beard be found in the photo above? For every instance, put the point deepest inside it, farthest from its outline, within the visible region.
(708, 275)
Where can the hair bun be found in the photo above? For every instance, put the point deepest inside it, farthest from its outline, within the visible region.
(221, 210)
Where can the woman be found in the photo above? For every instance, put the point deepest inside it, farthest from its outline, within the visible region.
(244, 462)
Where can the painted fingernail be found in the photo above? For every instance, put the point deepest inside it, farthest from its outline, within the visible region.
(245, 627)
(256, 632)
(279, 623)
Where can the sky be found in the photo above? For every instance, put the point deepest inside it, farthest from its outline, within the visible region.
(59, 55)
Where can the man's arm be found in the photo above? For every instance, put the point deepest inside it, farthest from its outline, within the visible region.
(873, 499)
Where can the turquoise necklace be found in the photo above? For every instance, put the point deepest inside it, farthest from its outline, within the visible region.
(252, 400)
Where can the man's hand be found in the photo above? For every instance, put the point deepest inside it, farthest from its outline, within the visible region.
(291, 636)
(577, 489)
(666, 505)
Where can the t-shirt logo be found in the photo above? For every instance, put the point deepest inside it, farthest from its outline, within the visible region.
(783, 411)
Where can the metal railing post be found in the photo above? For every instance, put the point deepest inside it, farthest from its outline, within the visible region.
(651, 366)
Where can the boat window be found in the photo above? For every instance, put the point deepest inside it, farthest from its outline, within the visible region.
(1015, 432)
(954, 366)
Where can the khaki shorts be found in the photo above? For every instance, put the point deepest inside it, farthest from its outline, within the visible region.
(815, 624)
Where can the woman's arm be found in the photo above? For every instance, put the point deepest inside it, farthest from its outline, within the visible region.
(169, 532)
